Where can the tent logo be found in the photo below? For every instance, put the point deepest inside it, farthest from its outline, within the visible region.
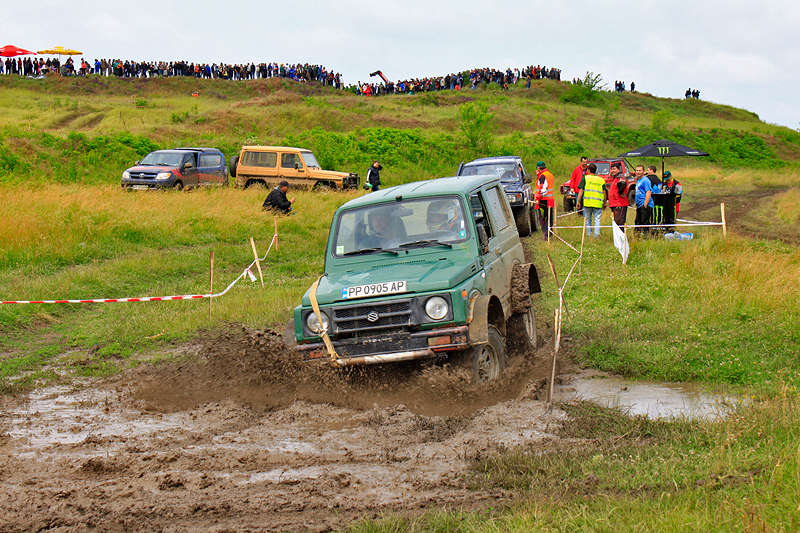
(663, 150)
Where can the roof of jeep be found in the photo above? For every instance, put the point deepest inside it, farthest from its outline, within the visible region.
(423, 189)
(495, 159)
(276, 148)
(191, 149)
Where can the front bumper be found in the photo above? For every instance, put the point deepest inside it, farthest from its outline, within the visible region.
(144, 184)
(391, 347)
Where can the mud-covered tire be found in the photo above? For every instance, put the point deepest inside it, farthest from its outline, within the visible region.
(522, 217)
(232, 165)
(534, 225)
(569, 204)
(522, 335)
(486, 361)
(632, 197)
(178, 185)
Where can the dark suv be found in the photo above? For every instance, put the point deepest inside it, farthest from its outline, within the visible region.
(516, 183)
(178, 168)
(604, 171)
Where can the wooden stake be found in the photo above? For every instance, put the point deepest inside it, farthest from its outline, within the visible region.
(211, 282)
(724, 225)
(558, 286)
(556, 339)
(258, 263)
(583, 238)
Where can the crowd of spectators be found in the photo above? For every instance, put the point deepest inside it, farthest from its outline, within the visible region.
(300, 72)
(619, 86)
(133, 69)
(456, 81)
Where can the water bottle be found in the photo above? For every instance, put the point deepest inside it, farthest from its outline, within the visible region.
(687, 236)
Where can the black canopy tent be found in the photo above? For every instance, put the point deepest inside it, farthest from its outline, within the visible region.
(662, 149)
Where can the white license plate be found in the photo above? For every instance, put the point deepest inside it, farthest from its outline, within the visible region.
(140, 187)
(374, 289)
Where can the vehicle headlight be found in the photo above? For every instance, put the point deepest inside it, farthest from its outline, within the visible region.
(436, 307)
(314, 324)
(126, 175)
(163, 175)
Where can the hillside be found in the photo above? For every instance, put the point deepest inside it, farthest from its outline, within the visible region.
(87, 130)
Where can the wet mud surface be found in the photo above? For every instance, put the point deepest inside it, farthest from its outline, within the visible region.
(245, 438)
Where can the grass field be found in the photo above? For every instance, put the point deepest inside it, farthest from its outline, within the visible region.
(714, 310)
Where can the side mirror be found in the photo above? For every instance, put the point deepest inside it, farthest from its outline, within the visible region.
(188, 164)
(527, 178)
(483, 239)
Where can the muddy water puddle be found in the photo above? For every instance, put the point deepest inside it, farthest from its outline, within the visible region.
(649, 398)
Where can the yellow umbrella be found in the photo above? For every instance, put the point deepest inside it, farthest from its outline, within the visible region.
(61, 51)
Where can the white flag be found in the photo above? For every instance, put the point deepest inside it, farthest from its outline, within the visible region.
(620, 241)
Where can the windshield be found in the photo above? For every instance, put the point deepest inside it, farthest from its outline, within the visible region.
(166, 159)
(408, 224)
(310, 160)
(504, 171)
(602, 168)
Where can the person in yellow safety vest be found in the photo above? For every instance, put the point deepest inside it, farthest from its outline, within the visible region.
(546, 198)
(595, 199)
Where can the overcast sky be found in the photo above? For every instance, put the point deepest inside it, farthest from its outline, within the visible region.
(741, 53)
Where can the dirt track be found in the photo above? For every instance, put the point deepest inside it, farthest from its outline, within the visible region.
(248, 439)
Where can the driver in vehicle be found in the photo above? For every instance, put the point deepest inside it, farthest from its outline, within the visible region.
(444, 216)
(383, 228)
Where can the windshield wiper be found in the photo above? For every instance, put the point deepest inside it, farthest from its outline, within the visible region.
(426, 243)
(370, 250)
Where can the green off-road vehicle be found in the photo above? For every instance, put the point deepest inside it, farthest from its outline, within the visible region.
(432, 269)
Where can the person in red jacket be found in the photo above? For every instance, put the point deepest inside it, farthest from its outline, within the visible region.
(575, 179)
(617, 199)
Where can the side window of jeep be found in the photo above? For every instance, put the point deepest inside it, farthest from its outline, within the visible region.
(289, 161)
(479, 213)
(260, 159)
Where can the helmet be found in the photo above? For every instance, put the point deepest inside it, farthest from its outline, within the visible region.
(441, 215)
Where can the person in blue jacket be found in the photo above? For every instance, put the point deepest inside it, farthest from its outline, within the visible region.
(644, 202)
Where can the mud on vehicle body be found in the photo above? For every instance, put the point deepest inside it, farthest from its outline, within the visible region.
(178, 168)
(516, 184)
(266, 166)
(419, 271)
(604, 171)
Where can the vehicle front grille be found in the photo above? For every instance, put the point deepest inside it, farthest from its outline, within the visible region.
(372, 316)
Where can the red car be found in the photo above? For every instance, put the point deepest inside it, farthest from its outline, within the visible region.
(603, 170)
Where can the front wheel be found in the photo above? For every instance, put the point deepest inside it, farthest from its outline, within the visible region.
(522, 217)
(178, 186)
(569, 204)
(486, 361)
(632, 197)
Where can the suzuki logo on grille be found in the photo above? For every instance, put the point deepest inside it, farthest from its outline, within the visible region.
(373, 316)
(141, 175)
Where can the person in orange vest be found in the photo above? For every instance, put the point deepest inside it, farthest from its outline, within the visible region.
(547, 201)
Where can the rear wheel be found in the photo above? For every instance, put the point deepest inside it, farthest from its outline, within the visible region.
(232, 165)
(522, 332)
(632, 197)
(569, 204)
(522, 216)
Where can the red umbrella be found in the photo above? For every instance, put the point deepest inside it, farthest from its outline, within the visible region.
(10, 50)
